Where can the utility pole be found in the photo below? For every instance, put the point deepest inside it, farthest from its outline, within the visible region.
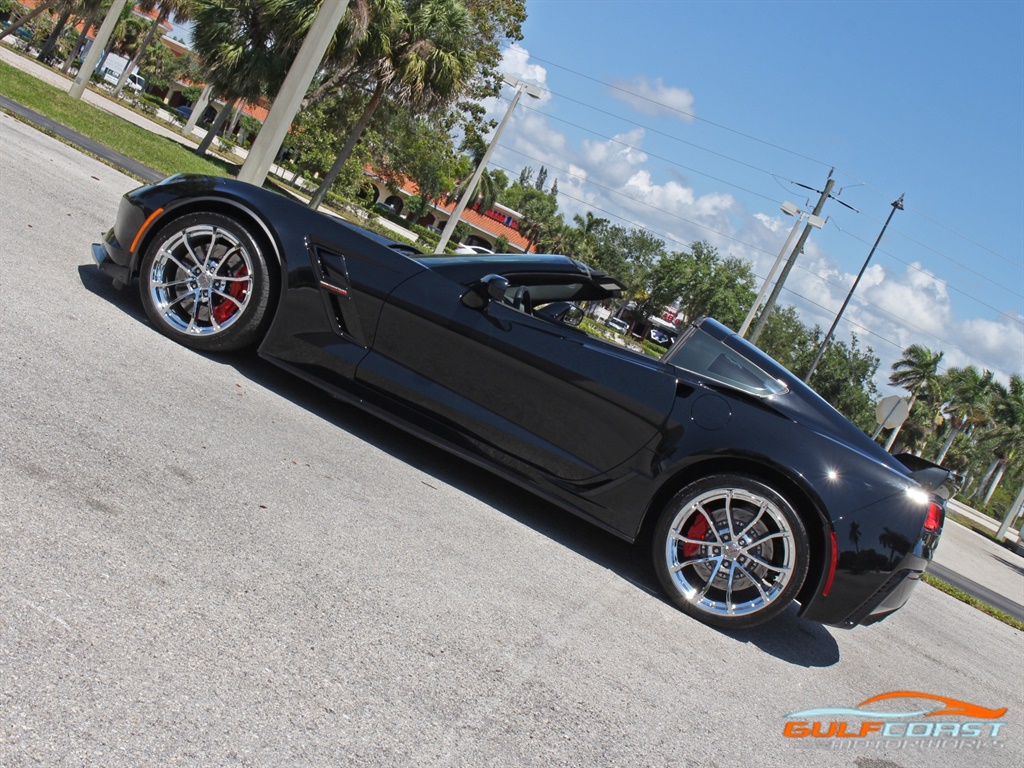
(286, 103)
(92, 58)
(759, 325)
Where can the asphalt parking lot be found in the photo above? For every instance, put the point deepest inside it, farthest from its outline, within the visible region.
(204, 562)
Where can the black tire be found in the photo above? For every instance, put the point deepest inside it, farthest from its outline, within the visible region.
(205, 283)
(730, 551)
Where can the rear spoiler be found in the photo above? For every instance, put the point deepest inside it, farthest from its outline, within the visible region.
(933, 478)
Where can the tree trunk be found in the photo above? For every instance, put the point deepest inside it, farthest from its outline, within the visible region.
(946, 445)
(1011, 515)
(994, 484)
(346, 151)
(222, 116)
(79, 42)
(150, 34)
(51, 41)
(985, 477)
(235, 117)
(317, 94)
(197, 110)
(27, 18)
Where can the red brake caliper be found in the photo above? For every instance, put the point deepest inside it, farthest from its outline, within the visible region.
(697, 531)
(225, 308)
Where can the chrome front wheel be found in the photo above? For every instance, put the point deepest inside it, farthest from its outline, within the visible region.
(204, 282)
(730, 551)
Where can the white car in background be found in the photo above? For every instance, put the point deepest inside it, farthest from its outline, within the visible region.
(618, 325)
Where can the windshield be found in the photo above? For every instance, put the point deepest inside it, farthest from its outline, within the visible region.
(701, 353)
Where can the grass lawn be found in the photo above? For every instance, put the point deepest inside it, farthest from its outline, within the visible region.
(972, 601)
(159, 153)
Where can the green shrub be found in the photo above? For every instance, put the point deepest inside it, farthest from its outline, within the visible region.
(652, 349)
(144, 106)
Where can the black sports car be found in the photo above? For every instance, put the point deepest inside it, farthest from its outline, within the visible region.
(752, 491)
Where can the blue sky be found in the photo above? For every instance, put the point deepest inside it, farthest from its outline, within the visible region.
(924, 99)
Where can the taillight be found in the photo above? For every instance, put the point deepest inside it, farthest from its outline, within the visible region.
(933, 522)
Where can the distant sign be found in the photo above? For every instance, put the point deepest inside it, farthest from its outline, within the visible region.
(891, 412)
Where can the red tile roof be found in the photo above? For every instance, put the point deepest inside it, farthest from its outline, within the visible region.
(481, 221)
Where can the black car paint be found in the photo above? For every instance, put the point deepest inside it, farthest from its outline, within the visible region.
(378, 328)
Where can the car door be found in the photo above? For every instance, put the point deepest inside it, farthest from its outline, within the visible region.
(424, 360)
(528, 392)
(580, 406)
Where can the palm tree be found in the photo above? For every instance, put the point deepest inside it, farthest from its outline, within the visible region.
(486, 192)
(17, 23)
(1006, 438)
(91, 11)
(342, 57)
(897, 544)
(417, 56)
(855, 536)
(180, 9)
(246, 47)
(915, 371)
(67, 7)
(968, 399)
(581, 238)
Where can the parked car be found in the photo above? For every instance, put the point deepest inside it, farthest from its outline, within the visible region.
(620, 326)
(136, 83)
(473, 249)
(749, 490)
(184, 112)
(26, 33)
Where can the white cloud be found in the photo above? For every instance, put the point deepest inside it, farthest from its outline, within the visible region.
(655, 98)
(515, 62)
(617, 179)
(917, 295)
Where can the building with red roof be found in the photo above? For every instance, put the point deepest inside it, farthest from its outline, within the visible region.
(485, 226)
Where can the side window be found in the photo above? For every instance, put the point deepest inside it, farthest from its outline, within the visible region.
(704, 355)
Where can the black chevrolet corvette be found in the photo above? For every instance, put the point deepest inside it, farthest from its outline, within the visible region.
(751, 491)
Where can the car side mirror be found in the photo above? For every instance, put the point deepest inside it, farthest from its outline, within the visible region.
(572, 316)
(490, 287)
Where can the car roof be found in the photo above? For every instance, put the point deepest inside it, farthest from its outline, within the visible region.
(530, 269)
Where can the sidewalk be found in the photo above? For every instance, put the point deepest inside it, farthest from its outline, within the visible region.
(983, 521)
(114, 107)
(59, 80)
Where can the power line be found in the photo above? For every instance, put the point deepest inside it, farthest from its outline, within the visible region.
(620, 142)
(690, 115)
(861, 301)
(681, 111)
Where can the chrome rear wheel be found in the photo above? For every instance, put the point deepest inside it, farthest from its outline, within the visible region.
(731, 551)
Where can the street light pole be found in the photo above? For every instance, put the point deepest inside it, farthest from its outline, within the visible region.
(897, 205)
(453, 220)
(287, 101)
